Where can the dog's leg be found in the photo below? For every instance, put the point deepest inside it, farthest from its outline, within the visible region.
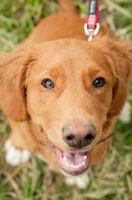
(81, 181)
(15, 156)
(16, 146)
(125, 115)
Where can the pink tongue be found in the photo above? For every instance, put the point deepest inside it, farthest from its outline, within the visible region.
(74, 158)
(73, 163)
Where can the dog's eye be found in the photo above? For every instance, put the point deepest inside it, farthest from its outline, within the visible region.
(99, 82)
(48, 84)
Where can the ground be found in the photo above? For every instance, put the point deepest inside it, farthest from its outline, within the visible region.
(111, 180)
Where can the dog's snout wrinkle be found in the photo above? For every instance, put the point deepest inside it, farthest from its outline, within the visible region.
(78, 135)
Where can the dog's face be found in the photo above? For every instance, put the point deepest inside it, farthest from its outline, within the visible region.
(69, 95)
(73, 90)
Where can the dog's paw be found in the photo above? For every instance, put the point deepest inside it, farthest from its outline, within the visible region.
(125, 115)
(81, 181)
(15, 156)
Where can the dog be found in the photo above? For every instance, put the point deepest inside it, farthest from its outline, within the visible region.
(63, 94)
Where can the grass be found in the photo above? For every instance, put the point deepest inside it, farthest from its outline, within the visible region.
(112, 179)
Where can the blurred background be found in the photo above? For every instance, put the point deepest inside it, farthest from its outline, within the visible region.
(112, 179)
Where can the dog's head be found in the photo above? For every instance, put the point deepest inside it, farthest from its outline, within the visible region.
(74, 90)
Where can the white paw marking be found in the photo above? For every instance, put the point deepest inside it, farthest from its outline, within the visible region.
(81, 181)
(15, 156)
(125, 115)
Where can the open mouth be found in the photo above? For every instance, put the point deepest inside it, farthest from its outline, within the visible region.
(73, 163)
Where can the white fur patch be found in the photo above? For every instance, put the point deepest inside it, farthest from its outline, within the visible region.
(15, 156)
(126, 113)
(81, 181)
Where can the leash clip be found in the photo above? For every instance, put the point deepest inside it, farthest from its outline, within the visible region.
(90, 31)
(91, 27)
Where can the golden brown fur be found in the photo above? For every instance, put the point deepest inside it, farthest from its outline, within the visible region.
(73, 65)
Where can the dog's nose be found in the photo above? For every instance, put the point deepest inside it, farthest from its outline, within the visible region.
(79, 135)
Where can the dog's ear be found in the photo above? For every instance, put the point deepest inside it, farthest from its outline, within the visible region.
(13, 68)
(121, 55)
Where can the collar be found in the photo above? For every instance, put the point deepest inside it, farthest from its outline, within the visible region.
(104, 139)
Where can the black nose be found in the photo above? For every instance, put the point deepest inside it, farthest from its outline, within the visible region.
(78, 135)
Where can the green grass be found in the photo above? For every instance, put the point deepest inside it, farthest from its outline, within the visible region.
(112, 179)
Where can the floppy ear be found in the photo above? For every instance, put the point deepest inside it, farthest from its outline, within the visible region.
(13, 68)
(122, 60)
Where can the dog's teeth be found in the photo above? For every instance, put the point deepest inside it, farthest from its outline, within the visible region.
(64, 158)
(74, 167)
(83, 163)
(67, 164)
(80, 165)
(85, 157)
